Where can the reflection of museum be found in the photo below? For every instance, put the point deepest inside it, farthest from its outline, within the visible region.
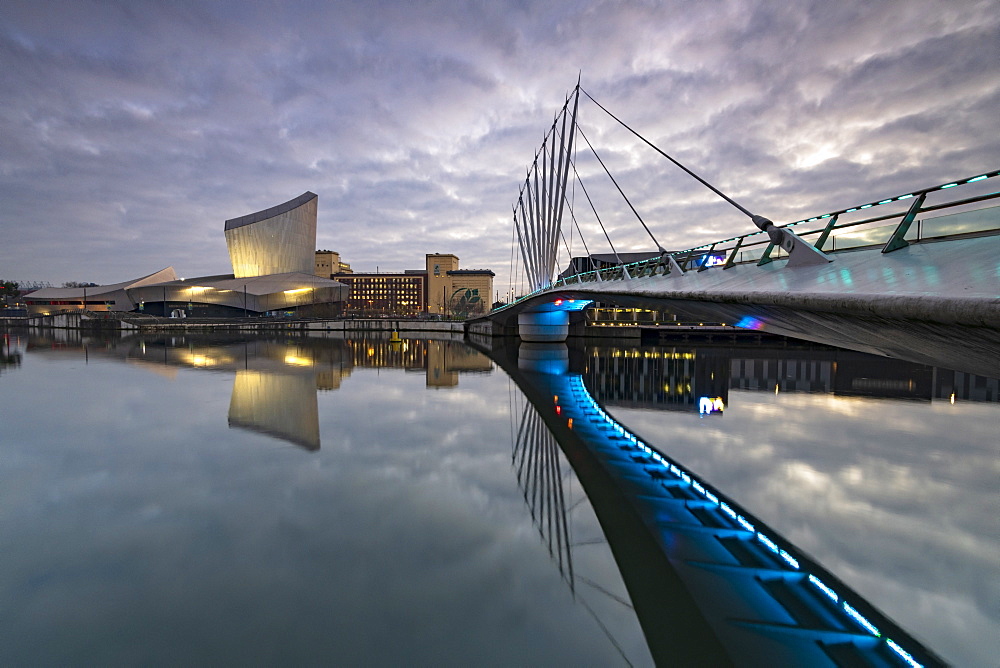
(272, 255)
(276, 381)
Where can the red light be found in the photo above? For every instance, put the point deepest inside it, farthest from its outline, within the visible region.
(558, 410)
(558, 302)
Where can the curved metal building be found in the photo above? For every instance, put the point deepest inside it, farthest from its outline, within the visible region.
(279, 240)
(273, 256)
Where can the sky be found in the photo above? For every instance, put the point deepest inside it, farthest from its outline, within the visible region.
(130, 131)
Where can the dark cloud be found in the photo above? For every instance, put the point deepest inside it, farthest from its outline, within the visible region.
(131, 131)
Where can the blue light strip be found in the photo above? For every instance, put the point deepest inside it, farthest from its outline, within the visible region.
(860, 619)
(903, 654)
(589, 403)
(823, 588)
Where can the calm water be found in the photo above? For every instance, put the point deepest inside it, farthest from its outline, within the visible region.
(169, 500)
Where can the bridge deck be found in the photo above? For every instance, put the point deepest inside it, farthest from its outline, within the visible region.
(950, 282)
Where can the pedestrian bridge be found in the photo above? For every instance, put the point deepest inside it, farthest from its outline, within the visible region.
(872, 276)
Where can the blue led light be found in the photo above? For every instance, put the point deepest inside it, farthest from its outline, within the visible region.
(851, 210)
(978, 178)
(825, 215)
(746, 525)
(948, 185)
(769, 543)
(675, 470)
(712, 497)
(792, 561)
(904, 197)
(885, 201)
(867, 206)
(861, 620)
(903, 654)
(686, 478)
(823, 588)
(727, 510)
(749, 322)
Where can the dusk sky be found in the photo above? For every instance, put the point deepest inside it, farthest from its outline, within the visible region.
(130, 131)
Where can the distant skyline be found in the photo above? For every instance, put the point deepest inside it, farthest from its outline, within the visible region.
(131, 131)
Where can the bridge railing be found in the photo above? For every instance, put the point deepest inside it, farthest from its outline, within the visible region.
(834, 231)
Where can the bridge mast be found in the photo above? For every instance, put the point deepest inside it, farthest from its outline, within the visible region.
(539, 211)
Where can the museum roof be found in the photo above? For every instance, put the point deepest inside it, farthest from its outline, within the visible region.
(273, 212)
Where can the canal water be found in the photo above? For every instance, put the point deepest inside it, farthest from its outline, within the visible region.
(214, 499)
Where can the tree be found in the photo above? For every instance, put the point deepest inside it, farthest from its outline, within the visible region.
(9, 289)
(465, 302)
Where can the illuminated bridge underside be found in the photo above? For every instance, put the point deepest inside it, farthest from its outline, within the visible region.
(731, 590)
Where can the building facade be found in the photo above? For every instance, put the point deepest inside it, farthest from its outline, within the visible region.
(328, 263)
(441, 288)
(452, 291)
(372, 295)
(279, 240)
(272, 253)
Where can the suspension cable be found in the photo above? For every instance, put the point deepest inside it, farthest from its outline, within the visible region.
(572, 214)
(594, 209)
(658, 150)
(622, 192)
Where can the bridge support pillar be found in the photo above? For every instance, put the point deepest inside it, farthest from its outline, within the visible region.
(543, 327)
(543, 358)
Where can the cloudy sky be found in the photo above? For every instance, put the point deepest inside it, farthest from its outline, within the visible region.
(129, 131)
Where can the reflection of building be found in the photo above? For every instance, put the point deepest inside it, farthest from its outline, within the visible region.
(658, 377)
(280, 405)
(664, 378)
(276, 382)
(442, 361)
(272, 253)
(446, 359)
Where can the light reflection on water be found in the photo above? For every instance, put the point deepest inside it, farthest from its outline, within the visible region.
(310, 499)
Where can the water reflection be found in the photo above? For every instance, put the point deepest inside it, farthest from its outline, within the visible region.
(680, 379)
(820, 461)
(11, 351)
(276, 380)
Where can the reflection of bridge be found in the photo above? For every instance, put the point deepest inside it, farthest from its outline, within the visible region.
(710, 583)
(924, 256)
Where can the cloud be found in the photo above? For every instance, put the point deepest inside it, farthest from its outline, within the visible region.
(132, 131)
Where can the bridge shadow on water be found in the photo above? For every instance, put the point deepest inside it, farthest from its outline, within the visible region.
(710, 583)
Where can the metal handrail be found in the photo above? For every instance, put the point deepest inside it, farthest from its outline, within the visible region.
(733, 245)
